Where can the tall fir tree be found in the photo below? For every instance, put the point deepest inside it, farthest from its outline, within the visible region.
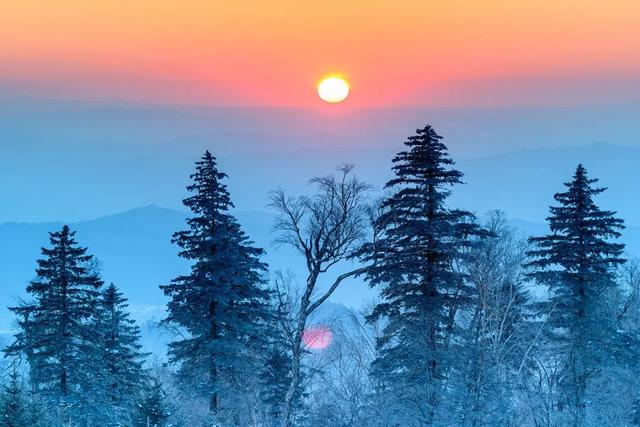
(222, 303)
(54, 329)
(577, 263)
(118, 377)
(419, 240)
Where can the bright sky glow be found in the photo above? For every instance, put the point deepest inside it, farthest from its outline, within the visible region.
(270, 53)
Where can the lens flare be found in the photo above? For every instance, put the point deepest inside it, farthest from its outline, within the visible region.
(317, 337)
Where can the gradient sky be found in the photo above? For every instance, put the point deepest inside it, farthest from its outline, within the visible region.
(272, 52)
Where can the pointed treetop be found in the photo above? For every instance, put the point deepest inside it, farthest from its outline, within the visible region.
(208, 159)
(427, 160)
(577, 223)
(576, 204)
(210, 194)
(64, 236)
(581, 182)
(112, 297)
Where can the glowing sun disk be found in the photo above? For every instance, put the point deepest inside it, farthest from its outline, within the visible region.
(333, 89)
(317, 337)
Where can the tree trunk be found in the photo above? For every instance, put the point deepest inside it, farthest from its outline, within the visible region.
(213, 370)
(296, 351)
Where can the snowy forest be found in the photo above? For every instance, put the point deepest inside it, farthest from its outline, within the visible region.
(474, 323)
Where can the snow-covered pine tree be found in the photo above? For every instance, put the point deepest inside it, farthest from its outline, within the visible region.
(577, 263)
(275, 381)
(222, 303)
(37, 412)
(635, 413)
(419, 240)
(152, 411)
(54, 327)
(118, 376)
(18, 406)
(14, 406)
(275, 375)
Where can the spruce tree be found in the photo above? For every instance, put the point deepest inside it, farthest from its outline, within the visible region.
(118, 351)
(418, 241)
(152, 410)
(18, 406)
(635, 413)
(222, 303)
(577, 263)
(54, 329)
(14, 406)
(275, 381)
(275, 375)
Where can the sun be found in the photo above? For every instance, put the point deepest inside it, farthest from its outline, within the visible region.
(333, 89)
(317, 337)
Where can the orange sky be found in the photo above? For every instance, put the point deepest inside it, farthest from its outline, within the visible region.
(399, 52)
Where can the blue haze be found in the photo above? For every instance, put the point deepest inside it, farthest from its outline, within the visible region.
(118, 172)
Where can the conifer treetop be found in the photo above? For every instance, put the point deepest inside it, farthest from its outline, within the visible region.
(580, 231)
(426, 159)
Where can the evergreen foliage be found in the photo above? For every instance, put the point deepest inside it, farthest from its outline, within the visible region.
(420, 240)
(118, 376)
(152, 410)
(275, 374)
(275, 379)
(474, 326)
(222, 303)
(54, 329)
(14, 406)
(577, 262)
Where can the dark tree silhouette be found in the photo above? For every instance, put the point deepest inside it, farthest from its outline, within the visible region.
(577, 263)
(54, 328)
(419, 239)
(222, 304)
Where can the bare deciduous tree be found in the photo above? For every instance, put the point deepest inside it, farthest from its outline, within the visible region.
(628, 298)
(326, 229)
(500, 333)
(342, 386)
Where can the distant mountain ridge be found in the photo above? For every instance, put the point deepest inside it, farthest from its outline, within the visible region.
(133, 247)
(135, 251)
(523, 183)
(114, 156)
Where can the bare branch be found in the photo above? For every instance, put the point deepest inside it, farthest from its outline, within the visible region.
(333, 287)
(326, 228)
